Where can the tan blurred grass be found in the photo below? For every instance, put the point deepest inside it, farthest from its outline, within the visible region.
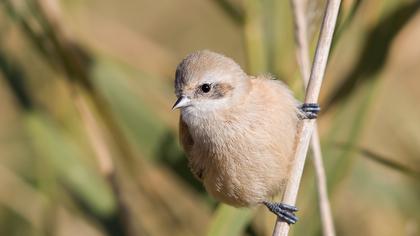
(134, 47)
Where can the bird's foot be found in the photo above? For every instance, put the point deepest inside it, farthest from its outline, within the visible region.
(283, 211)
(310, 110)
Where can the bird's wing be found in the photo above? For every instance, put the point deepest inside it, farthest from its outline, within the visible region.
(184, 135)
(187, 143)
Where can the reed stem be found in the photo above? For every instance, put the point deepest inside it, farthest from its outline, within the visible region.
(312, 93)
(302, 54)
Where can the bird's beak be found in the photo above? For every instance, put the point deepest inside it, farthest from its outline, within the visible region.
(182, 101)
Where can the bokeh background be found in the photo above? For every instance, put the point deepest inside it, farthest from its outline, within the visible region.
(88, 141)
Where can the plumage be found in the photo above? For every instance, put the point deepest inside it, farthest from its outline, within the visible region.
(239, 136)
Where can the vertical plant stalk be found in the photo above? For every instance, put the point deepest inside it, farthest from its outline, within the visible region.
(254, 37)
(73, 68)
(79, 82)
(321, 183)
(99, 146)
(302, 51)
(301, 37)
(102, 154)
(312, 94)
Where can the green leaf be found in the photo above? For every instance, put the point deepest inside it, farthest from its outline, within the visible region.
(386, 161)
(229, 221)
(131, 110)
(375, 51)
(66, 159)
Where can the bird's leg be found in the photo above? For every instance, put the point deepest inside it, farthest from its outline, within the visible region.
(283, 211)
(310, 110)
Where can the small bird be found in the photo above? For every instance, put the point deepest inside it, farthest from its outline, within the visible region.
(238, 131)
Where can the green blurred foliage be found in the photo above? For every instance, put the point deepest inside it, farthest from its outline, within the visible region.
(85, 81)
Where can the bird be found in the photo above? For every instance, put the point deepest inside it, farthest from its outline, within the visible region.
(238, 131)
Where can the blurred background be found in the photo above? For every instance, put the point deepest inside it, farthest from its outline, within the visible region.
(88, 141)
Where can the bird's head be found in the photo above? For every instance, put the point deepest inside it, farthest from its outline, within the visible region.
(208, 81)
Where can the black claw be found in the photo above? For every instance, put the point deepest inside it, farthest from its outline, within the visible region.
(283, 211)
(310, 110)
(289, 220)
(288, 207)
(289, 217)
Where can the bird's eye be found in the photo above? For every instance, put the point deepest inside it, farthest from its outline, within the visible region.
(205, 88)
